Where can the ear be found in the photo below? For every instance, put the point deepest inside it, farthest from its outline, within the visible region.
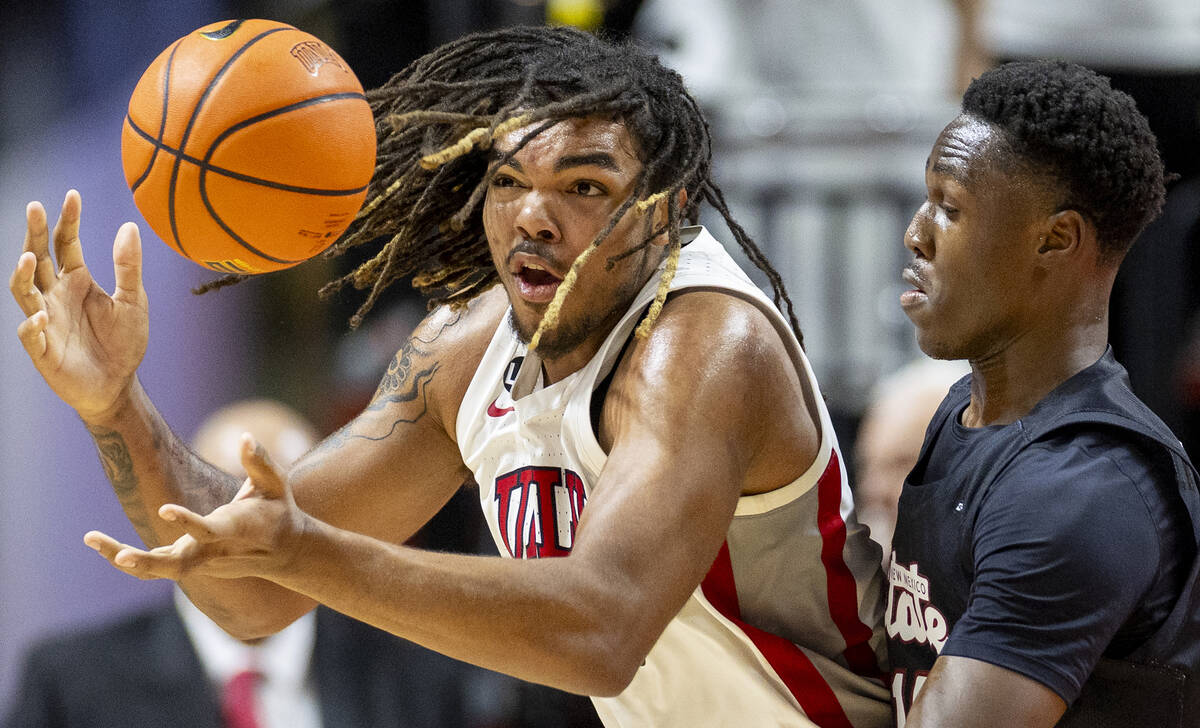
(660, 216)
(1067, 233)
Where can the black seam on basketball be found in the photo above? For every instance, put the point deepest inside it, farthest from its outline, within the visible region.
(237, 239)
(204, 167)
(192, 120)
(238, 175)
(224, 32)
(162, 124)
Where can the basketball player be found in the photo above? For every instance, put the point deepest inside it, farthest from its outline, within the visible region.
(1043, 564)
(626, 399)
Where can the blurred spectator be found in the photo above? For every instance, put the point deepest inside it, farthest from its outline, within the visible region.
(890, 436)
(172, 666)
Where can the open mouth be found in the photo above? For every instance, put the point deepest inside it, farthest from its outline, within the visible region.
(535, 283)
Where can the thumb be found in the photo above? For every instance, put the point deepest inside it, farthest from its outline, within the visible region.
(127, 263)
(265, 476)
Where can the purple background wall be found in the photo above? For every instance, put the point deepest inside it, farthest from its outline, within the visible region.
(62, 129)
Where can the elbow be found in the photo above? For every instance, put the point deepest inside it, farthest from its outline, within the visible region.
(614, 664)
(250, 618)
(609, 682)
(250, 626)
(251, 630)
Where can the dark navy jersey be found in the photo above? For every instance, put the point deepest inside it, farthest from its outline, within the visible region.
(1042, 550)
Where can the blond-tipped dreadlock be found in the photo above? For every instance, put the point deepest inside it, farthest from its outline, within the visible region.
(437, 119)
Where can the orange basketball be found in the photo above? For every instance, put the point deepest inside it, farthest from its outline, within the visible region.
(248, 146)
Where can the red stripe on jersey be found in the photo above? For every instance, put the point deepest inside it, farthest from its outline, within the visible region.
(798, 673)
(843, 590)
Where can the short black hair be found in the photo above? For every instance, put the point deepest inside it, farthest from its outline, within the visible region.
(1067, 122)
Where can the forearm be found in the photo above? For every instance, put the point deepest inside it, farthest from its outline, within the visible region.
(557, 622)
(148, 466)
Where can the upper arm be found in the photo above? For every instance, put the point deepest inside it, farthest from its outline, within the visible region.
(392, 467)
(1064, 551)
(966, 693)
(686, 435)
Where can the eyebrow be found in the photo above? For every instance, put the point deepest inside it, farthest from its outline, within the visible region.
(603, 160)
(593, 159)
(954, 172)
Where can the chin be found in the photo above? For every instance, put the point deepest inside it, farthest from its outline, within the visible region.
(555, 342)
(938, 347)
(561, 340)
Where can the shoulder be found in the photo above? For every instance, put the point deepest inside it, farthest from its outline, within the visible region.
(704, 328)
(443, 352)
(1089, 461)
(706, 346)
(466, 330)
(714, 357)
(80, 649)
(1088, 494)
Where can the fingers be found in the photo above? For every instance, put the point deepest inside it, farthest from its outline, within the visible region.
(68, 250)
(197, 526)
(173, 561)
(131, 560)
(105, 545)
(32, 333)
(127, 263)
(37, 241)
(261, 470)
(22, 287)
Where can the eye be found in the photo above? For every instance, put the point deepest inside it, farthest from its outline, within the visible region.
(503, 180)
(587, 188)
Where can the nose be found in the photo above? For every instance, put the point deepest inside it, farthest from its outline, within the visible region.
(535, 220)
(917, 237)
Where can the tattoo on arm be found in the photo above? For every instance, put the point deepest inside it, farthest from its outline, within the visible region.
(407, 379)
(400, 385)
(118, 467)
(400, 375)
(200, 486)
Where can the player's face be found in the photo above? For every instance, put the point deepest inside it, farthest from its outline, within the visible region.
(974, 243)
(544, 208)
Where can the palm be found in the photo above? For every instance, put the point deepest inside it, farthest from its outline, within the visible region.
(258, 533)
(94, 343)
(86, 344)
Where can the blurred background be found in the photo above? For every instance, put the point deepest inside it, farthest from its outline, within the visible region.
(823, 115)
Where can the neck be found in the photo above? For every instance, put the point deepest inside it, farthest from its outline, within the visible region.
(1006, 385)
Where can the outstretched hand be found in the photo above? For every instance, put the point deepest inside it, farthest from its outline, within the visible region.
(258, 533)
(85, 343)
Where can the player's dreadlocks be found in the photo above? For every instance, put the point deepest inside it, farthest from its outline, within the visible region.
(437, 119)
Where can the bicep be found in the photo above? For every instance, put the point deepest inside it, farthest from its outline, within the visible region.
(968, 693)
(662, 511)
(650, 531)
(391, 468)
(379, 475)
(682, 446)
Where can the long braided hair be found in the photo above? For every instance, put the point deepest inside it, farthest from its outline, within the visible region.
(436, 121)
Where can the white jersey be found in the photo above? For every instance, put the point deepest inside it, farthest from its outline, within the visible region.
(784, 630)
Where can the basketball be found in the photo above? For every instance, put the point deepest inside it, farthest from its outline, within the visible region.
(248, 146)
